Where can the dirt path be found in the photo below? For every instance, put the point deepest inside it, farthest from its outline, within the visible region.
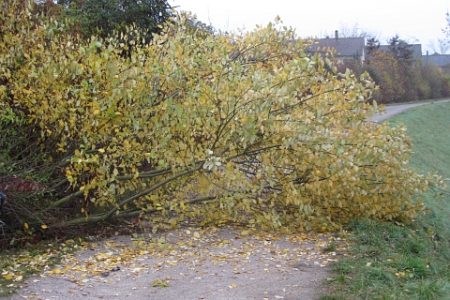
(191, 264)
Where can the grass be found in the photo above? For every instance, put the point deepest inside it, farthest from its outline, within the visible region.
(390, 261)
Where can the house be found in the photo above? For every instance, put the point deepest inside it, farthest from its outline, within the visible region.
(347, 49)
(440, 60)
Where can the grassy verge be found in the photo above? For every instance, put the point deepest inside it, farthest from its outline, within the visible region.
(389, 261)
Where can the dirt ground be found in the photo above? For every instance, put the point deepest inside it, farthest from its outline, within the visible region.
(190, 263)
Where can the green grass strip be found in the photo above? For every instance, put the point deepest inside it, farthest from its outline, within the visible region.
(391, 261)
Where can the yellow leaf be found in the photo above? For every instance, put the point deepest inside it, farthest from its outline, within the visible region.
(8, 276)
(245, 232)
(233, 286)
(56, 271)
(160, 283)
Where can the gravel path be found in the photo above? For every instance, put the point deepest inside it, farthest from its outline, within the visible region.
(395, 109)
(191, 264)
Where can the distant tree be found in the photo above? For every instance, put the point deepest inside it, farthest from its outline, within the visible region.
(440, 46)
(372, 45)
(373, 42)
(445, 42)
(47, 8)
(387, 72)
(102, 17)
(195, 25)
(447, 28)
(352, 31)
(400, 49)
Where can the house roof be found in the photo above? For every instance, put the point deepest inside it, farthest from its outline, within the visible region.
(350, 47)
(440, 60)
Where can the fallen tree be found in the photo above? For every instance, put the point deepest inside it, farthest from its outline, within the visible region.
(221, 128)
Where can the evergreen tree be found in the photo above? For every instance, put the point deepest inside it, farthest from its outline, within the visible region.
(102, 17)
(400, 49)
(372, 45)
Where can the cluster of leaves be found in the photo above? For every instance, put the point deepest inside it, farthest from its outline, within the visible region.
(223, 128)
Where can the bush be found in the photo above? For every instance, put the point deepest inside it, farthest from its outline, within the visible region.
(400, 80)
(245, 129)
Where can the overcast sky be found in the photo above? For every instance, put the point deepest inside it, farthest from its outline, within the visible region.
(414, 20)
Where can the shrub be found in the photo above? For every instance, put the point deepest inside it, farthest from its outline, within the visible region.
(405, 80)
(386, 70)
(223, 128)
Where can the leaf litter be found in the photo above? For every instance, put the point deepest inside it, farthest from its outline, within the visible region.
(193, 255)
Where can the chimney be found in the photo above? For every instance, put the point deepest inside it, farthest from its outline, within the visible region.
(336, 34)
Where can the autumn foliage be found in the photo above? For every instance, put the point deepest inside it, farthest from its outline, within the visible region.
(218, 128)
(402, 80)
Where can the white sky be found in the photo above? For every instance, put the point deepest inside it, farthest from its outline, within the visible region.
(414, 20)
